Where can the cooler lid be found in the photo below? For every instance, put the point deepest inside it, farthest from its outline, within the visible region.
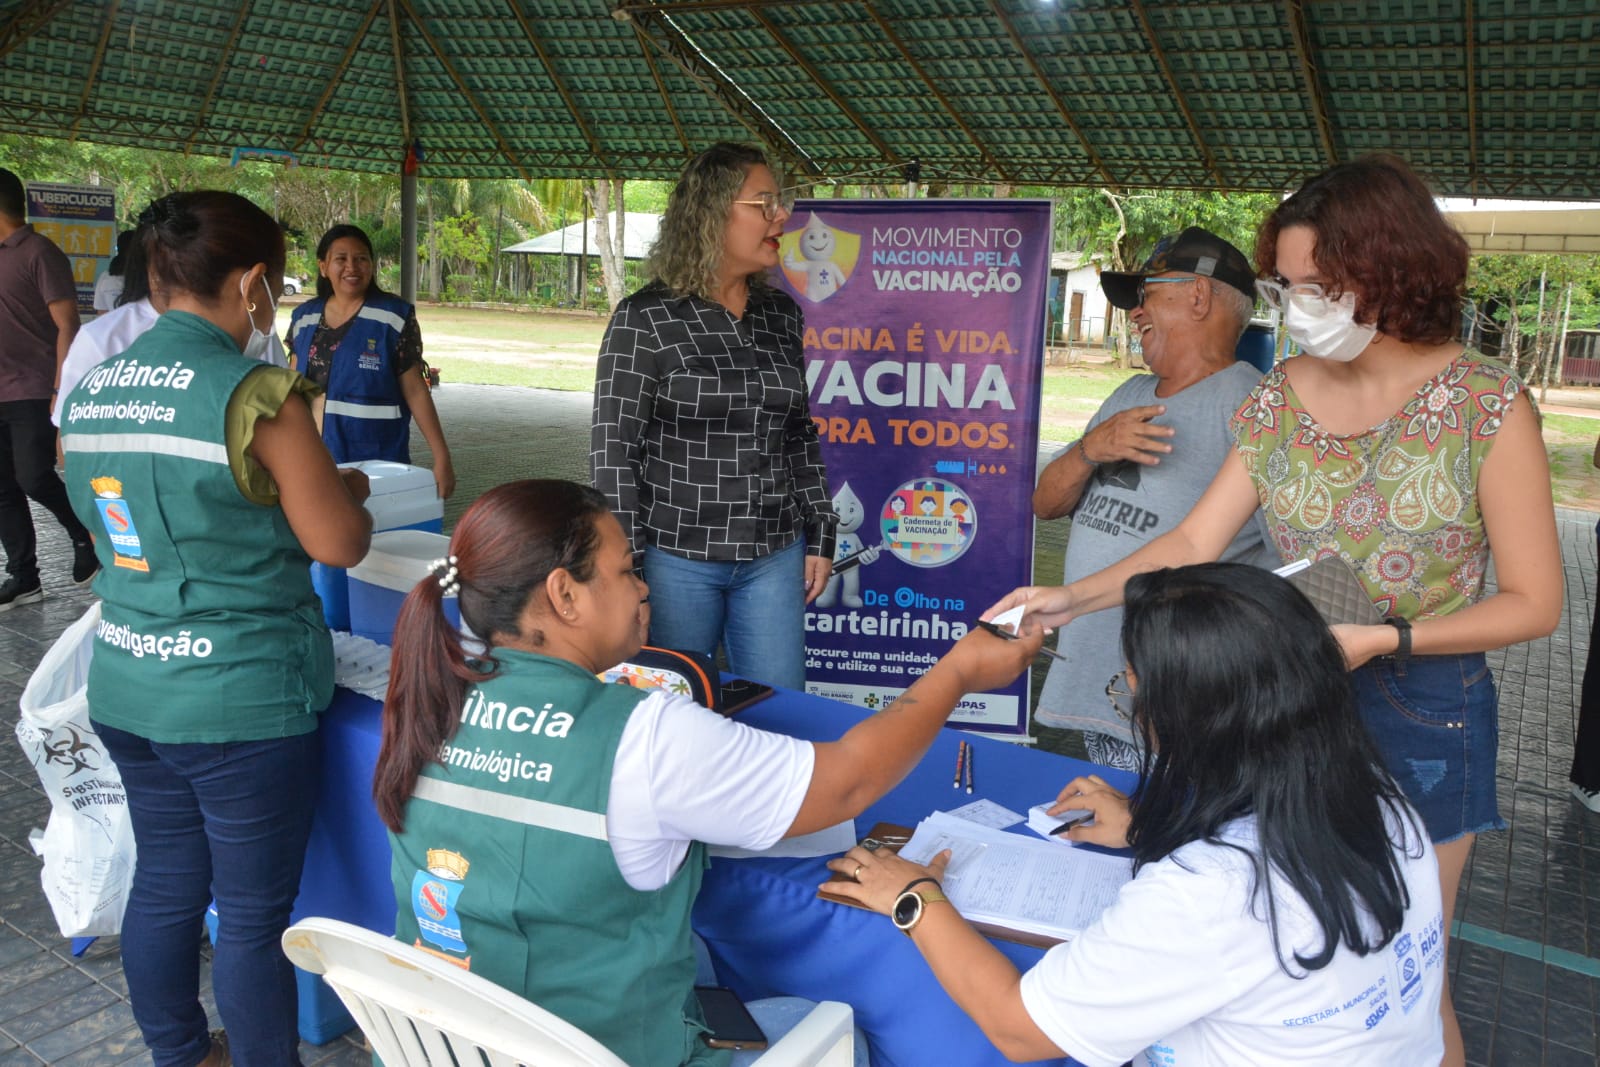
(400, 555)
(386, 477)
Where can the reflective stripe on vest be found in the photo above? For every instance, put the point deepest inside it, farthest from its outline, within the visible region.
(361, 411)
(159, 444)
(377, 314)
(307, 322)
(556, 817)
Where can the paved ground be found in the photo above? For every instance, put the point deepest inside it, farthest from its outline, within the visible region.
(1525, 958)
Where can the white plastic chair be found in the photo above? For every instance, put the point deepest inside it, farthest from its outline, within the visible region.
(420, 1011)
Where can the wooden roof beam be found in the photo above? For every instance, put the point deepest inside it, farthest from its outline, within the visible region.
(561, 88)
(94, 70)
(402, 90)
(1055, 98)
(800, 60)
(1472, 99)
(1295, 9)
(1178, 96)
(467, 94)
(216, 77)
(663, 35)
(338, 73)
(661, 88)
(933, 88)
(29, 20)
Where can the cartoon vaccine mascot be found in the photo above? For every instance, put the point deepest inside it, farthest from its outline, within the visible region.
(817, 247)
(849, 556)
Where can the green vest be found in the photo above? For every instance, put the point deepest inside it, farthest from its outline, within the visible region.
(504, 866)
(211, 631)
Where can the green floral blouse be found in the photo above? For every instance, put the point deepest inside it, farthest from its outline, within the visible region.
(1398, 501)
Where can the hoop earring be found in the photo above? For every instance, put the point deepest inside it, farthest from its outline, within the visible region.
(251, 308)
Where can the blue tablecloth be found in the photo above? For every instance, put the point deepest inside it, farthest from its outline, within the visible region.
(768, 932)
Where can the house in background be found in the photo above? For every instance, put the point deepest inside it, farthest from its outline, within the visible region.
(1078, 311)
(557, 259)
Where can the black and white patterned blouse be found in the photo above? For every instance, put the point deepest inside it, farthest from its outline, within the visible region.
(702, 439)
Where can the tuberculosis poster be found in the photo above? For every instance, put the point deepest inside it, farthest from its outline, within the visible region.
(924, 344)
(82, 221)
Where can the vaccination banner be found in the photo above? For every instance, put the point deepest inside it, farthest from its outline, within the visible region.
(924, 342)
(82, 221)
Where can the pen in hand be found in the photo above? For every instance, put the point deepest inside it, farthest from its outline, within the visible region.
(1087, 816)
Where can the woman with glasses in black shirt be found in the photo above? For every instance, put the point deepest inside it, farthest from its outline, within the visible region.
(702, 440)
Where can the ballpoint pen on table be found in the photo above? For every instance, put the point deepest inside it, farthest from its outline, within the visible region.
(970, 754)
(961, 755)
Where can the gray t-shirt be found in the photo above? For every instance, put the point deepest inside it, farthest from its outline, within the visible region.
(1125, 506)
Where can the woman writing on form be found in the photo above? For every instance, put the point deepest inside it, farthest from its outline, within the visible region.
(1285, 902)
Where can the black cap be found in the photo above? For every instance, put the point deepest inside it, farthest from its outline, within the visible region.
(1194, 251)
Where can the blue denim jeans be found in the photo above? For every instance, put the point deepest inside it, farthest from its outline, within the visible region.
(222, 821)
(1437, 725)
(756, 609)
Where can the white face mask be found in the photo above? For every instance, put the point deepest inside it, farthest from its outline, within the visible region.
(1327, 328)
(257, 346)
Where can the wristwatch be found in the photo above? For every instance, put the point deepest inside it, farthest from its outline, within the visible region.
(912, 902)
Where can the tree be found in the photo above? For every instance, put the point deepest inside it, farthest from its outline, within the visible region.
(603, 194)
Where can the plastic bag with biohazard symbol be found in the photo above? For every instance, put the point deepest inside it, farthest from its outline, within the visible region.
(88, 844)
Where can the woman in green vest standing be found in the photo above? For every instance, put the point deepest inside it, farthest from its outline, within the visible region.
(548, 829)
(209, 490)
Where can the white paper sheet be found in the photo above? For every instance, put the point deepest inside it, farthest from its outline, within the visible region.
(1019, 882)
(829, 841)
(987, 813)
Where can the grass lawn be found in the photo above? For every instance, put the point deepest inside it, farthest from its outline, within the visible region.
(555, 350)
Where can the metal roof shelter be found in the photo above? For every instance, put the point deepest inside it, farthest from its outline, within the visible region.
(1486, 97)
(638, 234)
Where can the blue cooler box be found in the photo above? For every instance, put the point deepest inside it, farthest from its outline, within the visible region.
(397, 561)
(403, 497)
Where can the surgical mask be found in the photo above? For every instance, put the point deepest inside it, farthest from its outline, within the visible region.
(1327, 328)
(274, 353)
(258, 345)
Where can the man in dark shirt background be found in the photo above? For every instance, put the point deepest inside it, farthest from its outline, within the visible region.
(38, 319)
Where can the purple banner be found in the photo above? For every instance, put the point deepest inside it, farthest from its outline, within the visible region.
(924, 343)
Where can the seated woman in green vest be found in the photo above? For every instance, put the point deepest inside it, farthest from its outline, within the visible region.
(549, 830)
(209, 490)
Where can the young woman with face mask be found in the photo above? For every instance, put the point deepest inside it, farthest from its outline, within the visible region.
(209, 493)
(1416, 459)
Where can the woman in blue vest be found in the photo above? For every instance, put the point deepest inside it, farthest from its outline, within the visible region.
(210, 492)
(549, 829)
(362, 345)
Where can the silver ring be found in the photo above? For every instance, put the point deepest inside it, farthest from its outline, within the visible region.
(871, 844)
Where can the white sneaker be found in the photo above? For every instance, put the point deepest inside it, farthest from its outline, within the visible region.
(1589, 798)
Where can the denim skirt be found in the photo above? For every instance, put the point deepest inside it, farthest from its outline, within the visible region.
(1436, 723)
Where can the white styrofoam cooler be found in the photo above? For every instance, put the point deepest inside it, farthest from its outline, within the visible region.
(401, 497)
(397, 561)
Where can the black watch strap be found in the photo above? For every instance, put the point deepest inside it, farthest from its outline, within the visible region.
(914, 883)
(1402, 653)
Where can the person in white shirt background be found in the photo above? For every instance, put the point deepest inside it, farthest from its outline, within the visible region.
(108, 287)
(1285, 903)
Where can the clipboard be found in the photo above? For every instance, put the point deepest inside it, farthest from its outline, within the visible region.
(891, 837)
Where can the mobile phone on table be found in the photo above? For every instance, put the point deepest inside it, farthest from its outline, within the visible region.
(731, 1023)
(739, 693)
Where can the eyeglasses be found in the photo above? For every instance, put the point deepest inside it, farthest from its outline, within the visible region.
(1121, 698)
(1157, 281)
(1278, 295)
(771, 204)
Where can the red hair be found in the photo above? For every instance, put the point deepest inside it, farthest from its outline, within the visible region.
(1380, 235)
(504, 547)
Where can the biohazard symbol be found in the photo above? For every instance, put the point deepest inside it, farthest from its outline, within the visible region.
(72, 751)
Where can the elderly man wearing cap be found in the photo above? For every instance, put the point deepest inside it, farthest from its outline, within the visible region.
(1146, 457)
